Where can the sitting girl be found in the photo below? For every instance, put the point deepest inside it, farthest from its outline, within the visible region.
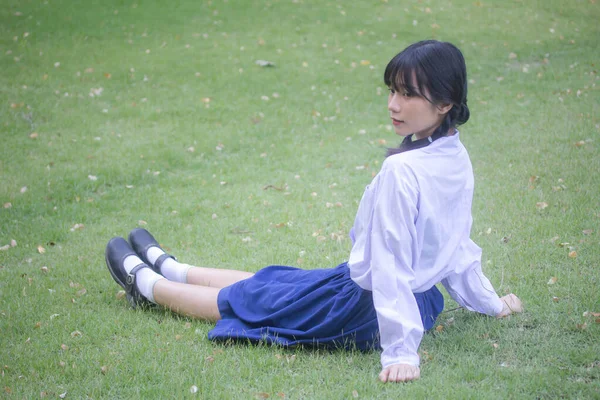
(411, 232)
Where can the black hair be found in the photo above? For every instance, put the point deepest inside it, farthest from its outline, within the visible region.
(440, 71)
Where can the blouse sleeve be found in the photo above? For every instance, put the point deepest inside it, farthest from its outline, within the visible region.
(392, 245)
(470, 287)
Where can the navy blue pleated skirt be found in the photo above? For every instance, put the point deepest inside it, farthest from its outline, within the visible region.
(323, 307)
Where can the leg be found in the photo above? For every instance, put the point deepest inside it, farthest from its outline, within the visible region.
(215, 278)
(194, 301)
(153, 255)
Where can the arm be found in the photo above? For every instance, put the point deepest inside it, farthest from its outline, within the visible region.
(472, 289)
(392, 241)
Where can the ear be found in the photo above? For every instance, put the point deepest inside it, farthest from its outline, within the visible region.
(444, 108)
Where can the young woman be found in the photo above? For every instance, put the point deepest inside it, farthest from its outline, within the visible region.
(411, 232)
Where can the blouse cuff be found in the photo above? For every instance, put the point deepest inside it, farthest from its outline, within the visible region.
(388, 361)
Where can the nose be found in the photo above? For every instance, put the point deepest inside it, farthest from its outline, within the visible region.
(394, 102)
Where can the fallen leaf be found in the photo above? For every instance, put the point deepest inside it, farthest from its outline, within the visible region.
(262, 395)
(23, 189)
(81, 292)
(7, 205)
(64, 347)
(120, 294)
(439, 328)
(587, 231)
(264, 63)
(41, 250)
(63, 395)
(194, 389)
(541, 205)
(37, 325)
(77, 227)
(573, 254)
(104, 369)
(92, 177)
(355, 394)
(75, 334)
(552, 280)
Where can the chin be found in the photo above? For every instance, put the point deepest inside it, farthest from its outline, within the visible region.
(403, 133)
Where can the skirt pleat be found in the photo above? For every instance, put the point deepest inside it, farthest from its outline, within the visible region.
(290, 306)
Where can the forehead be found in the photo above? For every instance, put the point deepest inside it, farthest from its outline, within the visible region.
(405, 78)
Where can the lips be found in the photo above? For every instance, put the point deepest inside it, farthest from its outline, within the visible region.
(396, 122)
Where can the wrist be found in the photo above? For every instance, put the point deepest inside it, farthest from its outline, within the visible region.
(505, 309)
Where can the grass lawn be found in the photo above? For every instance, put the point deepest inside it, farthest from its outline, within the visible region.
(119, 114)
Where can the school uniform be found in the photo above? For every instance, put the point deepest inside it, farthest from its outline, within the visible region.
(411, 232)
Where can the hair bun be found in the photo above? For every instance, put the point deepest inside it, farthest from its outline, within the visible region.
(462, 114)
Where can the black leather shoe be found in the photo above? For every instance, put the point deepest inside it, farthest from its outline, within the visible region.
(117, 250)
(141, 240)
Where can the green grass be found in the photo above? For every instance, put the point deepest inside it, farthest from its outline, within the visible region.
(533, 138)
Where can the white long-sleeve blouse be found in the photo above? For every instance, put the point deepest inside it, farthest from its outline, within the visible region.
(412, 231)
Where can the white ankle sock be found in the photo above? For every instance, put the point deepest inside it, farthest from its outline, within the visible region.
(170, 268)
(145, 278)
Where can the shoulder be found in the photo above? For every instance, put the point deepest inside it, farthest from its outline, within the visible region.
(402, 166)
(398, 173)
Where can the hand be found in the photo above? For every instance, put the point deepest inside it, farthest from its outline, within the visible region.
(512, 304)
(399, 373)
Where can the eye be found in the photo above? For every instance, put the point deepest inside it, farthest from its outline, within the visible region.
(406, 94)
(392, 91)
